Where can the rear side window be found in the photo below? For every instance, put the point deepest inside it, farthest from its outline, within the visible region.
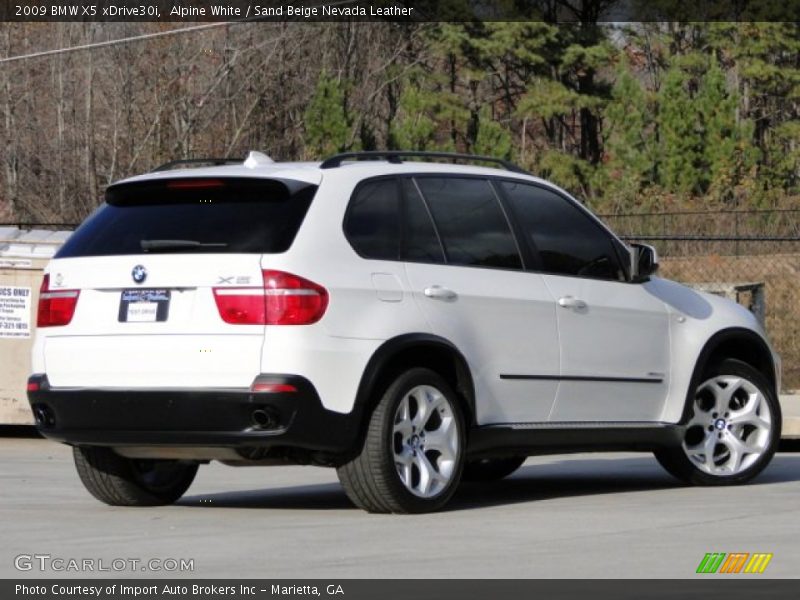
(471, 223)
(568, 241)
(373, 220)
(219, 215)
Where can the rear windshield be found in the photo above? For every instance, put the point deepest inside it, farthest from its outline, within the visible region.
(211, 215)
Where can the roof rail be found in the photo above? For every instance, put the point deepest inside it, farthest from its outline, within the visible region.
(396, 156)
(198, 161)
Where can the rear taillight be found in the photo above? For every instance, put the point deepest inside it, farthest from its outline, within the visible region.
(284, 299)
(292, 300)
(241, 306)
(56, 307)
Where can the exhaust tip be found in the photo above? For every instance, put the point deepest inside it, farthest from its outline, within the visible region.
(43, 415)
(263, 419)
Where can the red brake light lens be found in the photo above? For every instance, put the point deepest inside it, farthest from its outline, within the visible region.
(267, 387)
(194, 184)
(284, 299)
(240, 306)
(55, 307)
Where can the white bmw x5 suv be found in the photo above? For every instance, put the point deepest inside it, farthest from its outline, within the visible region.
(410, 322)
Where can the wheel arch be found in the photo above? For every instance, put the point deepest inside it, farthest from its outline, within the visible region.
(738, 343)
(415, 350)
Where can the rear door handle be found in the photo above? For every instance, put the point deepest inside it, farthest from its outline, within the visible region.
(438, 292)
(571, 302)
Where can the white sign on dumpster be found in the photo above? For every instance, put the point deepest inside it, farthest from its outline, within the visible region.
(15, 312)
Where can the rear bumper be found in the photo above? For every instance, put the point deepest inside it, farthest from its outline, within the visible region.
(192, 417)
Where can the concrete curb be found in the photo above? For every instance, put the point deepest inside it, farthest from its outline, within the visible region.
(790, 406)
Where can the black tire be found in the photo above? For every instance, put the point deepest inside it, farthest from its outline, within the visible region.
(677, 462)
(121, 481)
(372, 480)
(491, 469)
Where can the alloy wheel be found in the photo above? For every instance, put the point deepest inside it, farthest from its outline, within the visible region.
(730, 428)
(425, 441)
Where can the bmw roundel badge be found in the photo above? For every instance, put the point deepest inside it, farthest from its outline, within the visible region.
(139, 274)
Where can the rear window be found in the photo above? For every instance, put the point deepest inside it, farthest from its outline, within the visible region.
(209, 215)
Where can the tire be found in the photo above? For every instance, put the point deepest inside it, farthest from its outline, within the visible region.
(120, 481)
(413, 451)
(731, 433)
(491, 469)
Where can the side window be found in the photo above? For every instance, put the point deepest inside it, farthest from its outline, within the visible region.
(471, 222)
(372, 224)
(568, 241)
(421, 244)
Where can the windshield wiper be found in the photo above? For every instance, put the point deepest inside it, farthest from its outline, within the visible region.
(148, 245)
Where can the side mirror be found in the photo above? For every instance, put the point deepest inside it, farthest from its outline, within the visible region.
(645, 261)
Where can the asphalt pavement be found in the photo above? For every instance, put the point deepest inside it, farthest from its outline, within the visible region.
(574, 516)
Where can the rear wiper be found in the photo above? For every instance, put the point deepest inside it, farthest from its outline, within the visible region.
(148, 245)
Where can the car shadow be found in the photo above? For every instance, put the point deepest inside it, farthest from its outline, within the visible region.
(568, 478)
(326, 496)
(560, 479)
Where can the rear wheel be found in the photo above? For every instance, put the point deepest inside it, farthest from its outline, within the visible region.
(733, 429)
(121, 481)
(491, 469)
(413, 452)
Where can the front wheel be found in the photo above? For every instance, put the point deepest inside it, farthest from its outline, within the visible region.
(733, 429)
(121, 481)
(413, 451)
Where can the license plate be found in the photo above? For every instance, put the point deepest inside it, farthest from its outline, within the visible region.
(144, 306)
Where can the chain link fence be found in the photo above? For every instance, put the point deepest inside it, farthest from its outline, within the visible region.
(755, 252)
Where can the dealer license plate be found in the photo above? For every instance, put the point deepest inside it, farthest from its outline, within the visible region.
(144, 306)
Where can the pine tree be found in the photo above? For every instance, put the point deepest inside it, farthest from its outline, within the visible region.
(326, 124)
(492, 139)
(680, 137)
(769, 80)
(629, 136)
(421, 118)
(728, 154)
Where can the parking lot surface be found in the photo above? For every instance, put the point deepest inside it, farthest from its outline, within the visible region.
(580, 515)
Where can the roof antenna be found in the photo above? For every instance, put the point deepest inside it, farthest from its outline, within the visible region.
(257, 159)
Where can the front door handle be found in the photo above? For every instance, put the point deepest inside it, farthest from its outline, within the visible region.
(571, 302)
(438, 292)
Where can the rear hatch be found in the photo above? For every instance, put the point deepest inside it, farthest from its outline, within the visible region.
(148, 268)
